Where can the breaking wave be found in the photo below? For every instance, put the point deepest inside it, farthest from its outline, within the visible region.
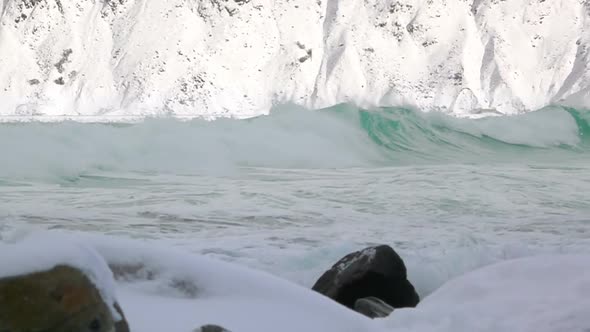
(339, 137)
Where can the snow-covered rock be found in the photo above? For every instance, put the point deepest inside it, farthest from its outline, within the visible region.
(125, 58)
(29, 256)
(55, 286)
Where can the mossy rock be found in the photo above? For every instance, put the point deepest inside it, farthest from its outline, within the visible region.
(62, 299)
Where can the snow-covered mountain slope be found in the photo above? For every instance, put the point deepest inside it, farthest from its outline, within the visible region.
(240, 57)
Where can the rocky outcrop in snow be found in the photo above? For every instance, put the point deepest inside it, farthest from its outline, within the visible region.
(239, 57)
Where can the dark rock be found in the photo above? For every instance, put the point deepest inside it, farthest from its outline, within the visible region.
(373, 307)
(59, 81)
(65, 58)
(211, 328)
(374, 271)
(121, 325)
(62, 299)
(60, 7)
(31, 3)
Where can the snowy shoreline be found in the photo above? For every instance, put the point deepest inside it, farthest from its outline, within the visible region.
(548, 293)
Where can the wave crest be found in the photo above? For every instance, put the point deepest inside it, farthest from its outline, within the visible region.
(291, 137)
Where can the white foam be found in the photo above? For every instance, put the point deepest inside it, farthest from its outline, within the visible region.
(548, 127)
(212, 58)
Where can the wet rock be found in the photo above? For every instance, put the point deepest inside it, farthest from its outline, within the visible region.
(373, 307)
(372, 272)
(62, 299)
(211, 328)
(121, 325)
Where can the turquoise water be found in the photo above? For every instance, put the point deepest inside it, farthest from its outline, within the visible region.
(293, 191)
(291, 138)
(543, 136)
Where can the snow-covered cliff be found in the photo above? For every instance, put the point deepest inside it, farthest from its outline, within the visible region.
(240, 57)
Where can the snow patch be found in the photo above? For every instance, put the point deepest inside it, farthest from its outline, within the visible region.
(541, 294)
(367, 254)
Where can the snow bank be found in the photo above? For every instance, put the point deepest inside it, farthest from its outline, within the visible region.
(118, 60)
(540, 294)
(195, 290)
(163, 289)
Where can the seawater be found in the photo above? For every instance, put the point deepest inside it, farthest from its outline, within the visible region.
(292, 192)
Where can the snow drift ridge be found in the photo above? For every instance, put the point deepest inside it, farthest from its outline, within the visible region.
(109, 58)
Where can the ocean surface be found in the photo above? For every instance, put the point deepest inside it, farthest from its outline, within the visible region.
(292, 192)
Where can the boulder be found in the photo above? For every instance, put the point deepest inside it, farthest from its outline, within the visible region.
(62, 299)
(373, 307)
(372, 272)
